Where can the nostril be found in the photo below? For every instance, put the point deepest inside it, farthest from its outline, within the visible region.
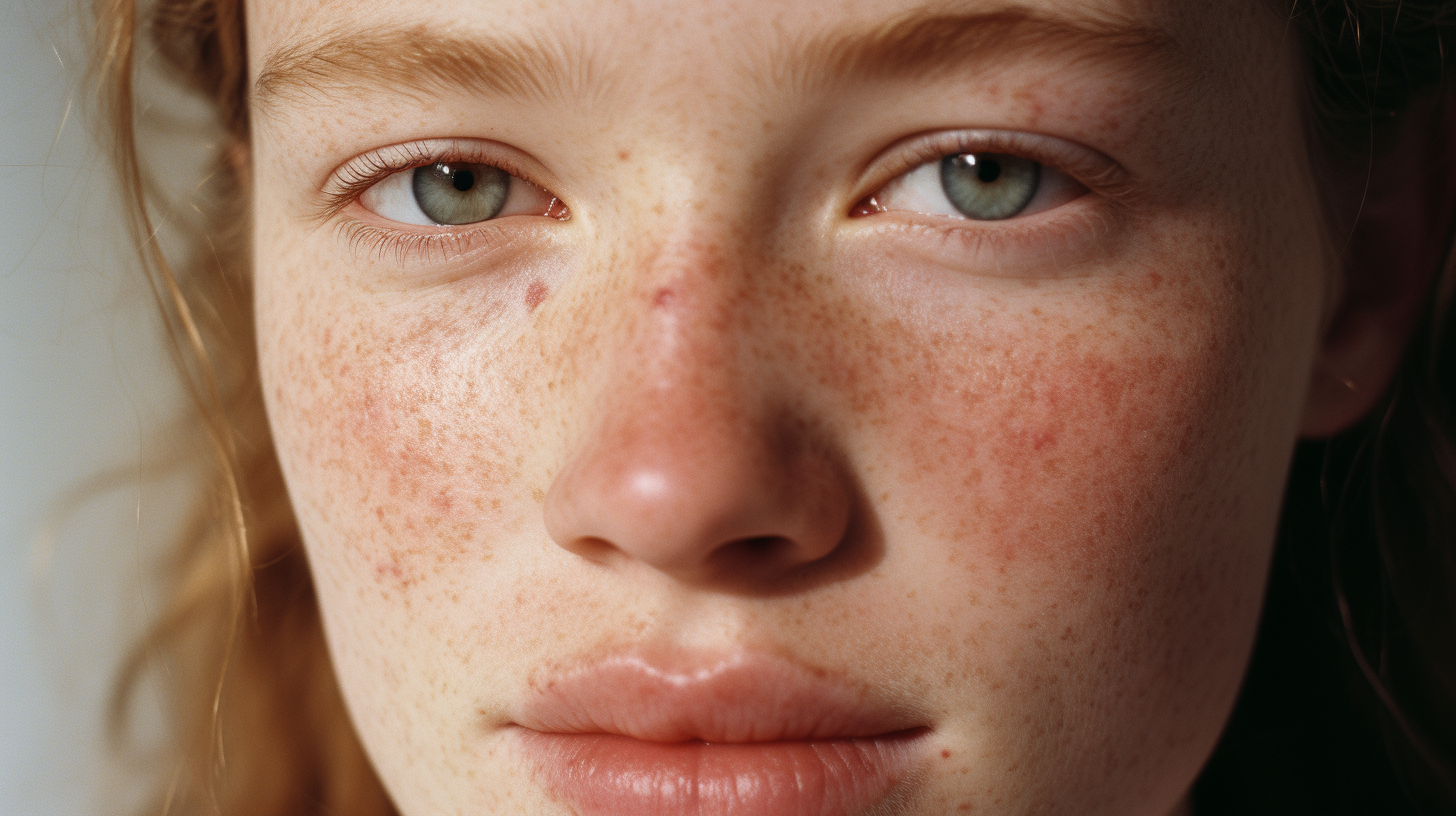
(762, 546)
(593, 548)
(759, 552)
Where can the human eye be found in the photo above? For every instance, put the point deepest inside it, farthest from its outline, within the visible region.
(997, 203)
(981, 176)
(434, 195)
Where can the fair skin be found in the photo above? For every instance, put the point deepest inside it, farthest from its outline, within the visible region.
(1016, 479)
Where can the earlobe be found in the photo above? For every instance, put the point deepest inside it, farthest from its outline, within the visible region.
(1401, 235)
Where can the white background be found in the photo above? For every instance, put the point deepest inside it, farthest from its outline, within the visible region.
(82, 383)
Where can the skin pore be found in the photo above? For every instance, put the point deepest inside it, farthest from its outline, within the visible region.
(688, 395)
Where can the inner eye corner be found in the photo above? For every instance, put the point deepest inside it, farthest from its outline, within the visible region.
(867, 205)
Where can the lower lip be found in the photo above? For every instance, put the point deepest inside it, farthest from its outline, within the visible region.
(602, 774)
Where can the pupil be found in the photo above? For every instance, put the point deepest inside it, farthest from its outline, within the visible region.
(988, 170)
(464, 180)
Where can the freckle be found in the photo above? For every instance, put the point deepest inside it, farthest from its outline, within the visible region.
(390, 569)
(624, 155)
(945, 754)
(1154, 279)
(535, 293)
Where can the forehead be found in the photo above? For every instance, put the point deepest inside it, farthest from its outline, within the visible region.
(601, 42)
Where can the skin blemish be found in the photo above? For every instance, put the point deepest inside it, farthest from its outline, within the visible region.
(535, 294)
(663, 298)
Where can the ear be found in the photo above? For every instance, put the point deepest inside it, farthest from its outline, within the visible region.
(1399, 238)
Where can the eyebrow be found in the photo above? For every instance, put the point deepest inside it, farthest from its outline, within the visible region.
(417, 58)
(919, 43)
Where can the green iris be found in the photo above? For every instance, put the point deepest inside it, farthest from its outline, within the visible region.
(450, 193)
(989, 186)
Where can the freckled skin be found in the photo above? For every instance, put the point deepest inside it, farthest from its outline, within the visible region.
(1029, 485)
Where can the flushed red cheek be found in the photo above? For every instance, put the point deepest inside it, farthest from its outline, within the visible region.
(1049, 454)
(409, 489)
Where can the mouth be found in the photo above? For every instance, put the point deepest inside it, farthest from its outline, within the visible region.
(737, 733)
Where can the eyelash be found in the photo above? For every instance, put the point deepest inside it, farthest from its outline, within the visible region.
(1020, 242)
(351, 180)
(1093, 171)
(1096, 173)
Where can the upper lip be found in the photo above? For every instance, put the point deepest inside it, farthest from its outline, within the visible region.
(735, 696)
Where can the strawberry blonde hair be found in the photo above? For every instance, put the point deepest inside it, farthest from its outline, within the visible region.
(1350, 704)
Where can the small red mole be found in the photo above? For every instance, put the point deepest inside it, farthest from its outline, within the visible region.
(535, 293)
(663, 297)
(944, 754)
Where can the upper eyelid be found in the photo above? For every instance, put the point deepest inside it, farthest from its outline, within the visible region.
(1088, 167)
(345, 183)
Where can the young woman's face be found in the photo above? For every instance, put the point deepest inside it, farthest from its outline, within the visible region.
(826, 407)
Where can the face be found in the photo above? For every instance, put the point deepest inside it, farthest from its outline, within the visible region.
(850, 407)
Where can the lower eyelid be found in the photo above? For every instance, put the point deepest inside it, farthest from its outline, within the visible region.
(407, 248)
(437, 248)
(1047, 245)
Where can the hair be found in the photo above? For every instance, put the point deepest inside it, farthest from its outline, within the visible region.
(1350, 701)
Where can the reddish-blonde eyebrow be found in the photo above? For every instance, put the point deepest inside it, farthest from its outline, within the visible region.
(918, 43)
(417, 58)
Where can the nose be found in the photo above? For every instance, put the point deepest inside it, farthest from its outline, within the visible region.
(688, 461)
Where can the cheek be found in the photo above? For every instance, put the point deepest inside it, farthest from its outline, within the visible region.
(393, 430)
(1053, 448)
(1084, 487)
(1025, 428)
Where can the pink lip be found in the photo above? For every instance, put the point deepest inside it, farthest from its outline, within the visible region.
(689, 733)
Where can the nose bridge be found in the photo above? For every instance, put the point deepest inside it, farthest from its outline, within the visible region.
(689, 340)
(682, 453)
(675, 393)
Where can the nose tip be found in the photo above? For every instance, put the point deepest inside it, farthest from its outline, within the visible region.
(700, 507)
